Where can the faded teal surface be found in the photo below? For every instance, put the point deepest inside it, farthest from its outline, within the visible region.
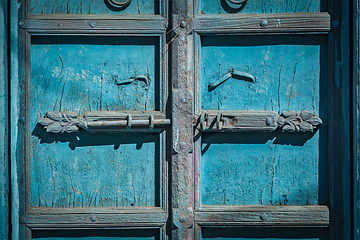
(79, 73)
(287, 72)
(92, 7)
(265, 168)
(260, 233)
(94, 170)
(97, 235)
(262, 169)
(261, 6)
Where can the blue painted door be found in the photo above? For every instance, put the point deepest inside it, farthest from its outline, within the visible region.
(93, 120)
(197, 119)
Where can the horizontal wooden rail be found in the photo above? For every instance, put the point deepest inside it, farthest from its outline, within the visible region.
(62, 24)
(264, 215)
(56, 218)
(280, 23)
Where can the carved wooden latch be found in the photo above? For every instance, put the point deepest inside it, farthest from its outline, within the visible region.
(257, 121)
(107, 121)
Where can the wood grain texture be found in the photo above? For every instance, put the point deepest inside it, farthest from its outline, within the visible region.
(96, 220)
(4, 121)
(275, 23)
(264, 233)
(263, 169)
(101, 170)
(96, 234)
(80, 73)
(261, 6)
(257, 121)
(290, 73)
(63, 24)
(265, 216)
(92, 7)
(356, 118)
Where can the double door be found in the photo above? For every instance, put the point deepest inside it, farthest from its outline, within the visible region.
(203, 119)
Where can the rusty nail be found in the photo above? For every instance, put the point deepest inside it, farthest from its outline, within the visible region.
(264, 23)
(182, 24)
(268, 121)
(182, 218)
(92, 24)
(21, 24)
(22, 219)
(263, 217)
(93, 218)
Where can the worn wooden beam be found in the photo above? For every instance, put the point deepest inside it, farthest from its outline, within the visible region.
(60, 24)
(264, 216)
(4, 134)
(280, 23)
(93, 220)
(356, 119)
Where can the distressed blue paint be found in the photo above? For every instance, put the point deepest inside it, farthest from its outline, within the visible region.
(91, 7)
(4, 130)
(97, 235)
(256, 233)
(79, 74)
(94, 170)
(262, 6)
(287, 72)
(262, 169)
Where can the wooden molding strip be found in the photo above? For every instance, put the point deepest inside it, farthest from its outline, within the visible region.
(71, 25)
(281, 23)
(257, 121)
(62, 219)
(264, 216)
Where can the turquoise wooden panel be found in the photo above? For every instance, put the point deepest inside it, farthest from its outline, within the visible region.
(94, 170)
(262, 6)
(79, 73)
(97, 235)
(290, 72)
(257, 233)
(263, 169)
(92, 7)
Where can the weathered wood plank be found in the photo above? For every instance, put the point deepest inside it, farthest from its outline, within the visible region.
(151, 219)
(95, 210)
(264, 216)
(261, 6)
(89, 7)
(149, 25)
(281, 23)
(339, 117)
(4, 123)
(356, 119)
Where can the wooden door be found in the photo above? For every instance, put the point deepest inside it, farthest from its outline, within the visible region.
(259, 120)
(93, 124)
(198, 119)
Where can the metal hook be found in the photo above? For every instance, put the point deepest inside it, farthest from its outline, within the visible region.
(119, 4)
(238, 2)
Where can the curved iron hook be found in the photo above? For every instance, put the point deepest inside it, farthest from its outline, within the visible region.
(238, 2)
(119, 4)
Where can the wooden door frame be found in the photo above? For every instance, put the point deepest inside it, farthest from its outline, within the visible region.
(183, 150)
(184, 106)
